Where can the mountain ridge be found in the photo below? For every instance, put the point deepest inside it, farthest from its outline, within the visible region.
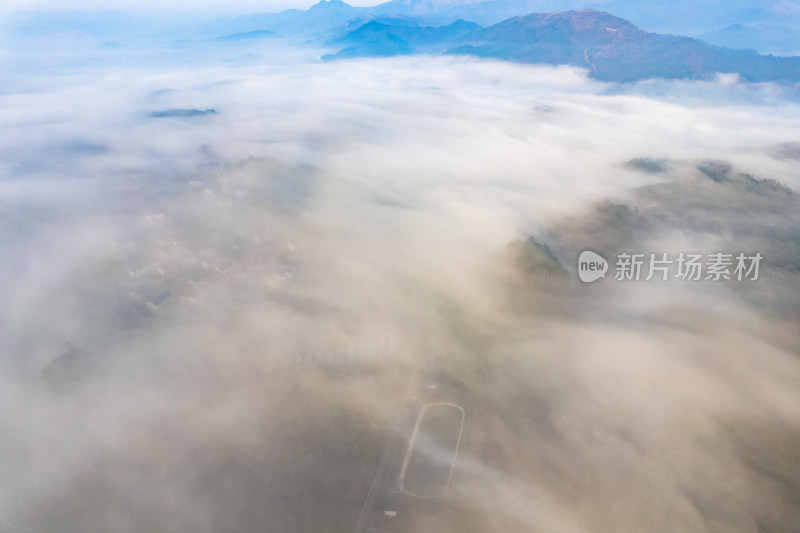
(610, 47)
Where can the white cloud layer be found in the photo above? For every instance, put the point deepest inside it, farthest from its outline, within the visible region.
(361, 209)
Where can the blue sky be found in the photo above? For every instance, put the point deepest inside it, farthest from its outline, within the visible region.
(139, 6)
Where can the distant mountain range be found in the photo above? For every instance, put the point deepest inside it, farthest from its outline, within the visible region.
(769, 27)
(319, 18)
(773, 38)
(611, 48)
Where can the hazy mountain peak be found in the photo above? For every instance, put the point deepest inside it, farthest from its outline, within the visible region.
(330, 5)
(422, 7)
(582, 20)
(434, 4)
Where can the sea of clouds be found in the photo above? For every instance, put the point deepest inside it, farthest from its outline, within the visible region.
(158, 272)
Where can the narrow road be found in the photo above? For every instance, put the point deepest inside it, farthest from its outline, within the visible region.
(371, 517)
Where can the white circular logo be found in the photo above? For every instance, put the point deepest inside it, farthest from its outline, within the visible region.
(591, 266)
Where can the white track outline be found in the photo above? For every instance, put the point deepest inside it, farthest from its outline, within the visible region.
(412, 442)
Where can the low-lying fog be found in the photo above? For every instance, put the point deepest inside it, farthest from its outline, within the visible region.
(194, 237)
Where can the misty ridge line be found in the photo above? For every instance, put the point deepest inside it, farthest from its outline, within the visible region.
(609, 47)
(747, 24)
